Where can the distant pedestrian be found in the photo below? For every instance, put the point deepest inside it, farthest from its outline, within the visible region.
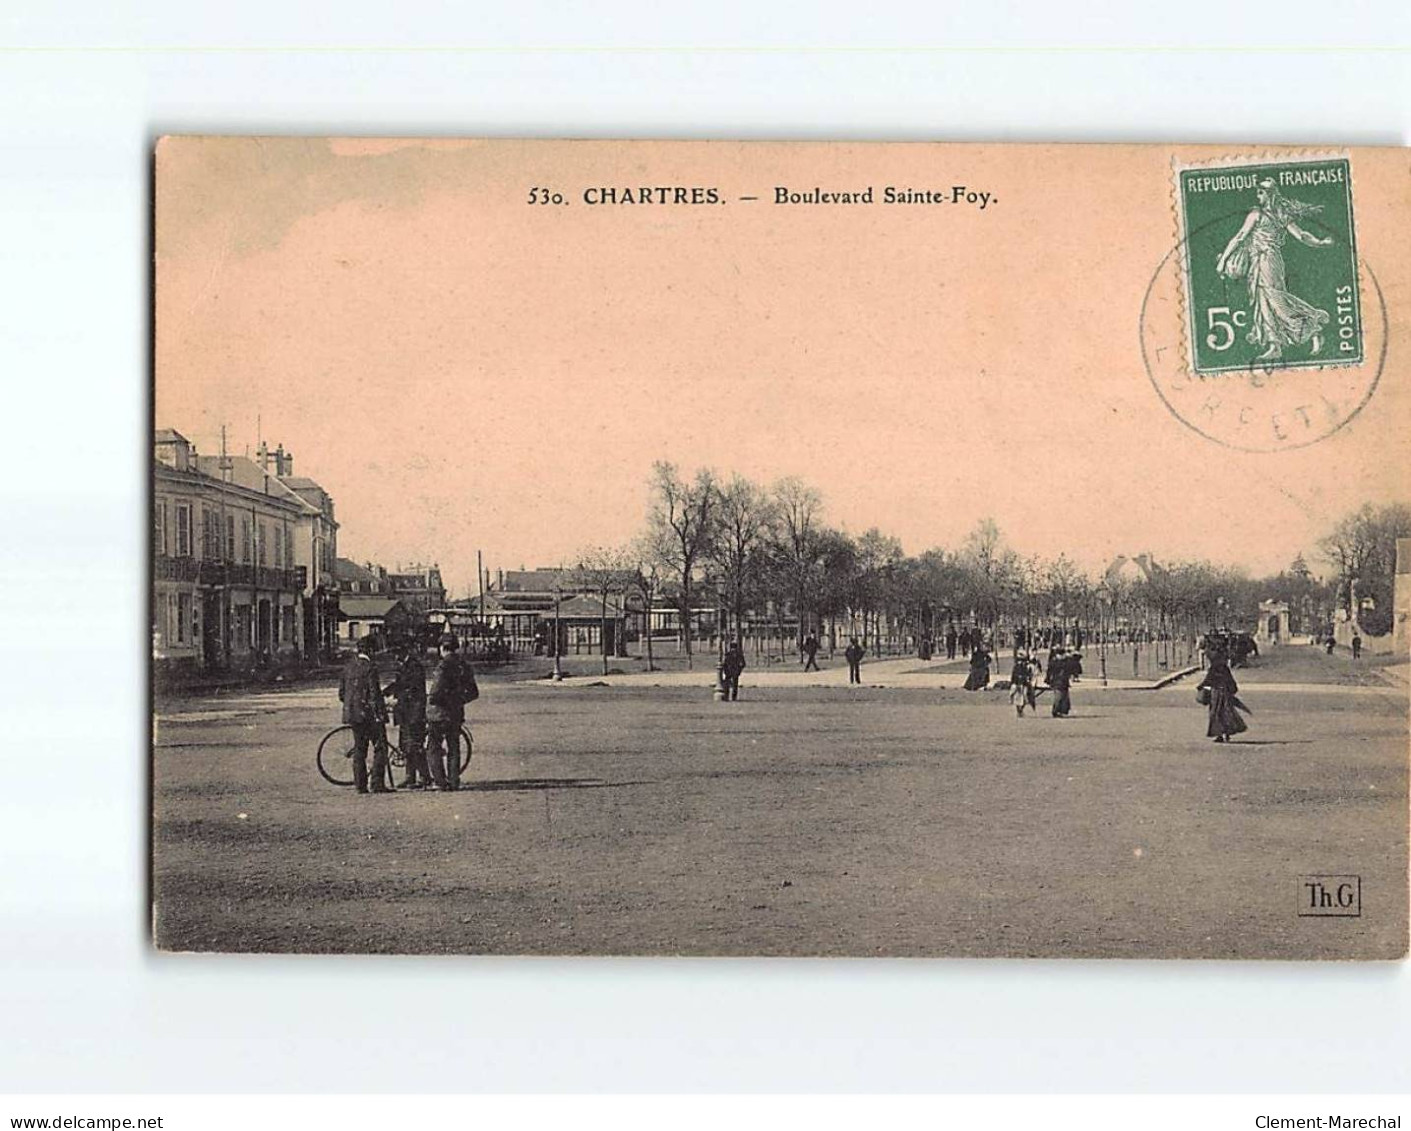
(1218, 691)
(1063, 667)
(366, 712)
(452, 687)
(950, 641)
(1330, 643)
(1021, 683)
(853, 655)
(810, 651)
(409, 714)
(979, 677)
(732, 665)
(1356, 646)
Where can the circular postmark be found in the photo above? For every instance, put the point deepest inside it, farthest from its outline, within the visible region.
(1263, 406)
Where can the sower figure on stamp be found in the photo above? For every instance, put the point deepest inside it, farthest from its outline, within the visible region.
(452, 687)
(409, 714)
(366, 712)
(1277, 316)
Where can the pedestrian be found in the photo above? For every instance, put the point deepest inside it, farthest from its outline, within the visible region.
(1330, 643)
(366, 712)
(1356, 646)
(853, 655)
(979, 677)
(452, 687)
(732, 665)
(810, 651)
(409, 713)
(1021, 683)
(1063, 667)
(950, 641)
(1218, 690)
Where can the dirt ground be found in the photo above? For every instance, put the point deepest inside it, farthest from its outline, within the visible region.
(801, 821)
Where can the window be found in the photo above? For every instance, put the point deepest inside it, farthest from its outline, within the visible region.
(288, 547)
(159, 527)
(183, 530)
(286, 632)
(245, 555)
(183, 618)
(261, 541)
(230, 537)
(278, 548)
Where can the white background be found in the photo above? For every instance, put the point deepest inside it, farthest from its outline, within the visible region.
(84, 90)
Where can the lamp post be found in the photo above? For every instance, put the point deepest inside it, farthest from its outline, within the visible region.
(1104, 597)
(558, 666)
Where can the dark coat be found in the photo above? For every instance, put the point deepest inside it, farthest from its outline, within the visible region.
(410, 689)
(445, 698)
(734, 662)
(361, 693)
(854, 653)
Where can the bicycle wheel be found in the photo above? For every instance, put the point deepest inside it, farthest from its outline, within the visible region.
(335, 756)
(466, 743)
(396, 760)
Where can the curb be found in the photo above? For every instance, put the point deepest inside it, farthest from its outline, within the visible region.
(1174, 676)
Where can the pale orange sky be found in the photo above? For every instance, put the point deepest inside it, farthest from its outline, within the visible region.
(463, 370)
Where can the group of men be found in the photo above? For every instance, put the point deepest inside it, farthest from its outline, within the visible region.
(429, 717)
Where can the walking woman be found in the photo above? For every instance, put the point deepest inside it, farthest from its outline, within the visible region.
(1218, 689)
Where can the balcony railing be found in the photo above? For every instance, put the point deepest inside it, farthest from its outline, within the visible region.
(229, 573)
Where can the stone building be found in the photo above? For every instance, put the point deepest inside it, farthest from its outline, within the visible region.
(226, 590)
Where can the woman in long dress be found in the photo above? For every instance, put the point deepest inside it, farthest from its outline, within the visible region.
(1277, 317)
(1225, 705)
(979, 677)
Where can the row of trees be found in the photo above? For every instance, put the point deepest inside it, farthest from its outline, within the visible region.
(765, 556)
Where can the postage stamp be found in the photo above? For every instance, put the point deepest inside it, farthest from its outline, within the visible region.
(1270, 258)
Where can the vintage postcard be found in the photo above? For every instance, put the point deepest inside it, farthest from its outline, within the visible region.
(780, 549)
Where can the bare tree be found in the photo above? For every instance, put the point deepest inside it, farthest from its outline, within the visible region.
(797, 508)
(683, 521)
(745, 515)
(646, 555)
(1363, 549)
(604, 571)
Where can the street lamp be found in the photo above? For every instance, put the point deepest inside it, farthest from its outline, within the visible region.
(1105, 598)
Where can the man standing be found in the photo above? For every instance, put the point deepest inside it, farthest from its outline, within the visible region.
(1356, 646)
(810, 651)
(410, 716)
(366, 712)
(853, 655)
(452, 685)
(732, 665)
(950, 641)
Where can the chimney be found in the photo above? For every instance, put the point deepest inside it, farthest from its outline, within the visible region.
(262, 455)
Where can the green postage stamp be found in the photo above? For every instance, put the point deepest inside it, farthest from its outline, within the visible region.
(1270, 256)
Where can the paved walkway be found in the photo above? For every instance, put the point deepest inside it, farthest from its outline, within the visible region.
(905, 672)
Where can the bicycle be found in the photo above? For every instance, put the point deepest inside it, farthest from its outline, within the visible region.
(335, 755)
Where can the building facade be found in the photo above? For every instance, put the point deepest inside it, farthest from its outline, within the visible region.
(226, 588)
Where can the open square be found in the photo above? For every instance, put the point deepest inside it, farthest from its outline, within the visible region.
(623, 818)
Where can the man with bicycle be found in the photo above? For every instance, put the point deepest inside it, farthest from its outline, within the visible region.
(409, 714)
(366, 712)
(452, 687)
